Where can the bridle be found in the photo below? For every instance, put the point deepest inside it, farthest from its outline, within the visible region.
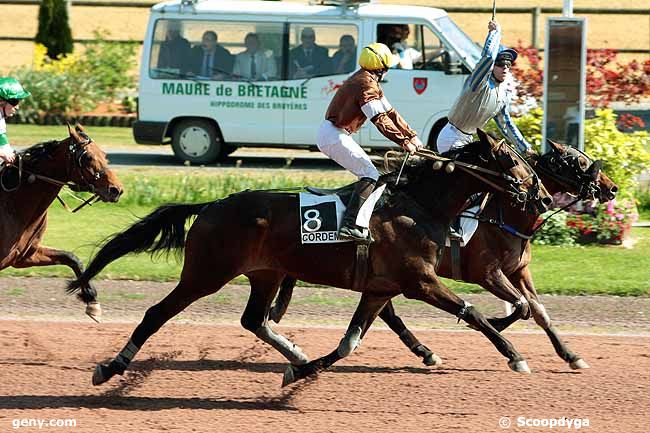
(485, 175)
(74, 166)
(584, 181)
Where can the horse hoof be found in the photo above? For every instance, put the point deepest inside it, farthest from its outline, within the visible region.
(101, 374)
(578, 364)
(432, 360)
(519, 366)
(94, 311)
(289, 376)
(275, 315)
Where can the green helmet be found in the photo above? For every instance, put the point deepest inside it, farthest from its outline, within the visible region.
(11, 89)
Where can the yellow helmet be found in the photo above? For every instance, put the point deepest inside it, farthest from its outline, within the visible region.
(375, 57)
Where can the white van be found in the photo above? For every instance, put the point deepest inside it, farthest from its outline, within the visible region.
(222, 74)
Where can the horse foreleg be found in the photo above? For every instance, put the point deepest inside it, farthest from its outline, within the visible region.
(396, 324)
(366, 312)
(264, 285)
(282, 301)
(500, 286)
(435, 293)
(524, 280)
(43, 256)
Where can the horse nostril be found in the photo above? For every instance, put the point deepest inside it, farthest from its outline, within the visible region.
(114, 191)
(613, 189)
(547, 201)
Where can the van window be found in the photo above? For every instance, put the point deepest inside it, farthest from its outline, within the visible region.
(415, 46)
(216, 50)
(319, 50)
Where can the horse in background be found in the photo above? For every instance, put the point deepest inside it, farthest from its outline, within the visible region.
(32, 183)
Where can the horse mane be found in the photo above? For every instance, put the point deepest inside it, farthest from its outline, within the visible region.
(40, 150)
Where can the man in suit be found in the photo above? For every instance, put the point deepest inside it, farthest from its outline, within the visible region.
(253, 64)
(308, 59)
(344, 60)
(174, 51)
(211, 60)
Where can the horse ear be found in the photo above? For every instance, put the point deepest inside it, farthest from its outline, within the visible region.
(557, 147)
(486, 143)
(69, 129)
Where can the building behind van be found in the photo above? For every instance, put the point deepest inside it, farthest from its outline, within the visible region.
(221, 74)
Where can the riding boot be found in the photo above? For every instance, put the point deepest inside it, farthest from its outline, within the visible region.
(349, 228)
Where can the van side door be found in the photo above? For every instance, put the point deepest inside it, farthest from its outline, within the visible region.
(320, 57)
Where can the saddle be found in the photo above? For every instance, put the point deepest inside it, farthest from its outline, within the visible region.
(346, 191)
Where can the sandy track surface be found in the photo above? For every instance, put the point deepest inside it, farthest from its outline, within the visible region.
(216, 377)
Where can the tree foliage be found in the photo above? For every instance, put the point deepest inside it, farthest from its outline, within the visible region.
(53, 28)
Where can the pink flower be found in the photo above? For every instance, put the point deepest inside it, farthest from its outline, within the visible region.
(610, 206)
(620, 216)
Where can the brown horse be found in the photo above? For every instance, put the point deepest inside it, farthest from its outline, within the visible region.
(39, 174)
(498, 255)
(256, 233)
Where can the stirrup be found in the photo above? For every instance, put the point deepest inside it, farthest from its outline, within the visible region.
(355, 233)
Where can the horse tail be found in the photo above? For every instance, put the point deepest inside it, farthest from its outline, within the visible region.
(282, 301)
(166, 224)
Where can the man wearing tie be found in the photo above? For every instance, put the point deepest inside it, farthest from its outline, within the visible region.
(211, 60)
(308, 59)
(253, 64)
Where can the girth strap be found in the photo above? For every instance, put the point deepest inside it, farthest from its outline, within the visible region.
(361, 266)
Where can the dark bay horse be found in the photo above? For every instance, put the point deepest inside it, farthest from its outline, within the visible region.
(498, 259)
(256, 233)
(39, 174)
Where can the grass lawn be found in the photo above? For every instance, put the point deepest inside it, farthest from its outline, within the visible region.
(105, 136)
(579, 270)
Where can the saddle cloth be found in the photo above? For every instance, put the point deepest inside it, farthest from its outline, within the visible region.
(321, 216)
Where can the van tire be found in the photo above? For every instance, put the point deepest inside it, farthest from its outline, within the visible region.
(435, 131)
(196, 141)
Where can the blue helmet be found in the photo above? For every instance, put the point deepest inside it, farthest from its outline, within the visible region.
(506, 53)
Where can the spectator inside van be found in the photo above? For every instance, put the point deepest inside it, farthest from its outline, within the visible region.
(344, 60)
(211, 60)
(175, 49)
(308, 59)
(254, 63)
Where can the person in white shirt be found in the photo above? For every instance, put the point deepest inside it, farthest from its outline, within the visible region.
(253, 64)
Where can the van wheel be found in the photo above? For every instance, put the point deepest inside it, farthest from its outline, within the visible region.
(196, 141)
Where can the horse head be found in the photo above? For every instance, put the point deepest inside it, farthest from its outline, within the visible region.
(511, 173)
(87, 166)
(576, 173)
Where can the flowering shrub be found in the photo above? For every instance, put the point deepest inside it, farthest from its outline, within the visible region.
(556, 230)
(606, 221)
(606, 79)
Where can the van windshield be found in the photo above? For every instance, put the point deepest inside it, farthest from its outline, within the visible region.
(460, 40)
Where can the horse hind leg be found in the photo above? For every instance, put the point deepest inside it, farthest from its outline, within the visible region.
(396, 324)
(184, 294)
(264, 286)
(45, 256)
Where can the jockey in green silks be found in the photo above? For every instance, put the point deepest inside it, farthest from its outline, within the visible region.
(11, 93)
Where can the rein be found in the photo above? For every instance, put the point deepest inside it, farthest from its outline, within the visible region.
(470, 169)
(32, 176)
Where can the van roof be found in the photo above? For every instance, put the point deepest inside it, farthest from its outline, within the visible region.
(288, 9)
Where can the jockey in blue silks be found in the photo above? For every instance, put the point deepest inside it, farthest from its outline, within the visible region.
(486, 95)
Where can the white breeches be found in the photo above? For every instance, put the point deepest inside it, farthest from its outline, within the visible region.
(451, 138)
(341, 147)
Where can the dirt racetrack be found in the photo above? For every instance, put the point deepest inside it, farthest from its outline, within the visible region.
(209, 377)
